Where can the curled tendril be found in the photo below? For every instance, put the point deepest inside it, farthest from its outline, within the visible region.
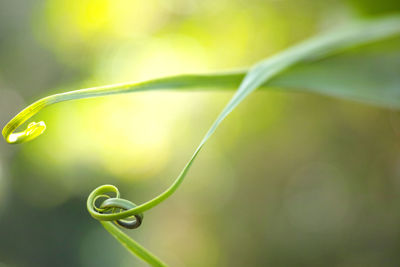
(34, 129)
(112, 206)
(104, 204)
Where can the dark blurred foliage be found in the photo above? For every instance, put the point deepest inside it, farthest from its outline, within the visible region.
(375, 8)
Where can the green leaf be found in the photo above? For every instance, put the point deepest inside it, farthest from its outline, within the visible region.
(371, 76)
(313, 49)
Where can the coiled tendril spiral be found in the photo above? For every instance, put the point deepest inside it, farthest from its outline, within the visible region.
(104, 207)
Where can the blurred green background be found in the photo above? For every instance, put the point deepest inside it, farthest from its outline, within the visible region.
(289, 179)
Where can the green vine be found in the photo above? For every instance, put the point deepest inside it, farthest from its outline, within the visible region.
(114, 208)
(105, 204)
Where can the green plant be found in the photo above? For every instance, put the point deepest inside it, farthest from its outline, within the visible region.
(325, 64)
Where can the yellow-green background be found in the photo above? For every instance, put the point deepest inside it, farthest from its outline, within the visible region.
(289, 179)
